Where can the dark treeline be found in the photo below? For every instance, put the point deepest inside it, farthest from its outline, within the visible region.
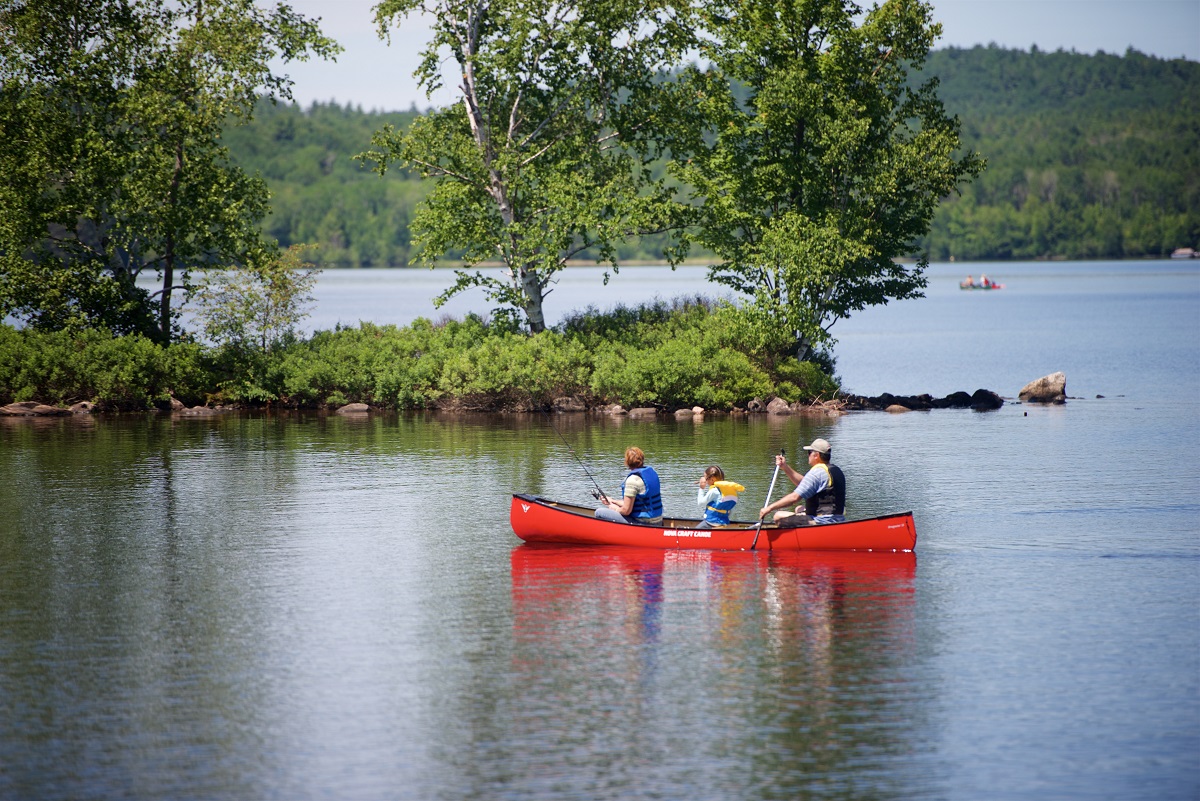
(1089, 156)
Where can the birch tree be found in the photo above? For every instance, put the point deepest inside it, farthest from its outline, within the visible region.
(546, 156)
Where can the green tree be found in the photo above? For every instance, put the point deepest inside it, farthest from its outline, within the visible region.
(546, 157)
(62, 66)
(1083, 151)
(130, 174)
(831, 165)
(257, 307)
(251, 315)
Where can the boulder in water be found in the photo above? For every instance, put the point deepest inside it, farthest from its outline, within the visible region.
(1047, 389)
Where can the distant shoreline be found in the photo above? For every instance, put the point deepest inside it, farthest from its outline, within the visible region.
(708, 262)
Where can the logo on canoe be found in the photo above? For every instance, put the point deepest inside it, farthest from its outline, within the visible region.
(687, 532)
(524, 507)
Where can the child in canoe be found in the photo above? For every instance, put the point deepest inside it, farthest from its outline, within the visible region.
(717, 496)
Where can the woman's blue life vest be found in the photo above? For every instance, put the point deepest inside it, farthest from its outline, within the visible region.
(717, 513)
(649, 504)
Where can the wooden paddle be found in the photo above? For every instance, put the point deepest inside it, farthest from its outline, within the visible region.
(770, 492)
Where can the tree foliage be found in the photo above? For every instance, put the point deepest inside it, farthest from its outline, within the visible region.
(111, 115)
(547, 155)
(831, 164)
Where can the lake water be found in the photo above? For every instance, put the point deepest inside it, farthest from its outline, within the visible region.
(316, 607)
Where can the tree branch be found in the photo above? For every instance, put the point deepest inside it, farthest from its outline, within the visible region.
(440, 170)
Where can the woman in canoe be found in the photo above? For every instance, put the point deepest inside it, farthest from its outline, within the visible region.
(641, 496)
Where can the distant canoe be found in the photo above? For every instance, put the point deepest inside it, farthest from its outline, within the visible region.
(964, 285)
(537, 519)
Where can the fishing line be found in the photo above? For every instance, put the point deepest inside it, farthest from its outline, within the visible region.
(598, 493)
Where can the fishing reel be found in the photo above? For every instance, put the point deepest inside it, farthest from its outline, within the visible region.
(600, 496)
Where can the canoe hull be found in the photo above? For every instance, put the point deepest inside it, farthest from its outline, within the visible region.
(537, 519)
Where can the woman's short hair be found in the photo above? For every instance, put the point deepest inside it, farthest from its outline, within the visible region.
(634, 458)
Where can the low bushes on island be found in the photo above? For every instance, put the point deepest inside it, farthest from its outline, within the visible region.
(683, 353)
(119, 373)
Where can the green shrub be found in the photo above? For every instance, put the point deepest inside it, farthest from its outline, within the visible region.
(803, 381)
(512, 370)
(691, 368)
(332, 361)
(125, 373)
(646, 324)
(383, 365)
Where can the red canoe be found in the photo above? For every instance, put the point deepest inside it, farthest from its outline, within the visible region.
(537, 519)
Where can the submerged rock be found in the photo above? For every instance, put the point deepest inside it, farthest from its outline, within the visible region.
(984, 400)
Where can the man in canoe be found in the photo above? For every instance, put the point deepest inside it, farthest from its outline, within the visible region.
(822, 488)
(641, 499)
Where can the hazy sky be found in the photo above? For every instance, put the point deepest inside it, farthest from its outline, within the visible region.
(377, 76)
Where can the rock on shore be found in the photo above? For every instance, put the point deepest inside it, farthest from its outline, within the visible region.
(33, 409)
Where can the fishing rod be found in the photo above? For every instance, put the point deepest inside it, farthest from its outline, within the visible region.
(596, 493)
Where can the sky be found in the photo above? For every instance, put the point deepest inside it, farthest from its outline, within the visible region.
(376, 76)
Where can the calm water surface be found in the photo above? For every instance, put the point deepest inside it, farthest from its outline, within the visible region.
(308, 606)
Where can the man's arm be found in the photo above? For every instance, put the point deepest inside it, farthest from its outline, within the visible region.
(792, 473)
(791, 499)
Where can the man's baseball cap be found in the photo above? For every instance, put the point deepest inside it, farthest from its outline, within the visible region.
(820, 446)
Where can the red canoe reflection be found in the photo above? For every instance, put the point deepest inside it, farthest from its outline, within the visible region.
(616, 592)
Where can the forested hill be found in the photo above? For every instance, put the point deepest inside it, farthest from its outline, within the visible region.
(319, 193)
(1089, 156)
